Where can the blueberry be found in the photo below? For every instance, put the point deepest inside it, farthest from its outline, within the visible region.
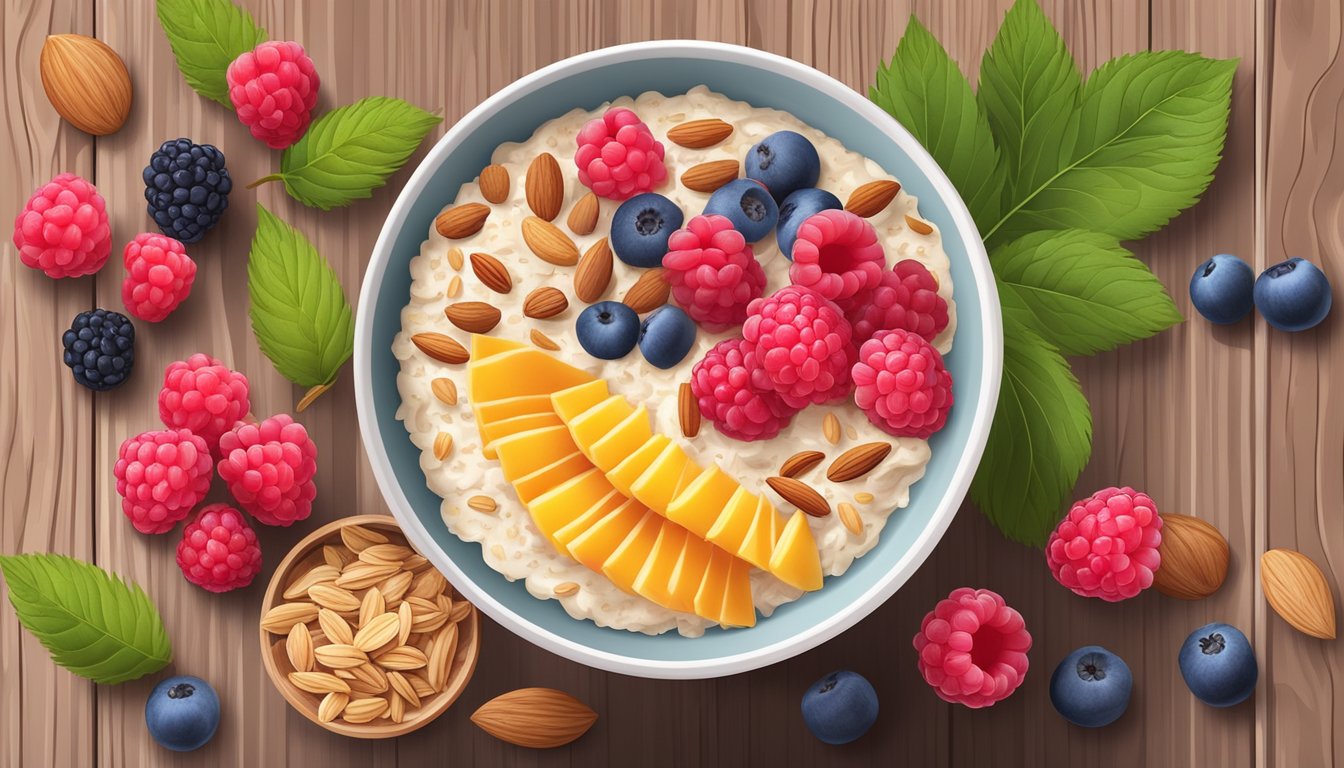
(182, 713)
(1218, 665)
(1091, 687)
(797, 208)
(748, 205)
(1221, 289)
(784, 161)
(607, 330)
(1293, 295)
(840, 707)
(666, 336)
(640, 229)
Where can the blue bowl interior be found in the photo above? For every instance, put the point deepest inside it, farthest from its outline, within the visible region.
(762, 88)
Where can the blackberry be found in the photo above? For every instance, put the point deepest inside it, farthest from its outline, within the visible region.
(187, 188)
(100, 349)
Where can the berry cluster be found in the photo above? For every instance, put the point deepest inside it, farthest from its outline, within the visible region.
(273, 89)
(618, 156)
(1107, 545)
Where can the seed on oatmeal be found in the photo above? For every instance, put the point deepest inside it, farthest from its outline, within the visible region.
(441, 348)
(918, 225)
(851, 432)
(583, 216)
(454, 287)
(482, 504)
(491, 272)
(543, 341)
(863, 497)
(497, 551)
(830, 428)
(566, 589)
(494, 183)
(544, 302)
(544, 186)
(688, 410)
(443, 445)
(461, 220)
(445, 390)
(850, 517)
(455, 258)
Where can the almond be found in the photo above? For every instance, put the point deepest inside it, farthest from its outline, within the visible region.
(462, 220)
(403, 687)
(491, 272)
(593, 274)
(918, 225)
(688, 410)
(494, 183)
(549, 243)
(543, 341)
(362, 575)
(544, 186)
(830, 428)
(299, 648)
(583, 216)
(545, 302)
(1297, 590)
(332, 705)
(334, 626)
(394, 587)
(698, 134)
(800, 462)
(333, 597)
(872, 198)
(367, 678)
(385, 554)
(364, 710)
(445, 390)
(357, 538)
(649, 292)
(857, 461)
(454, 287)
(441, 348)
(800, 495)
(443, 445)
(339, 656)
(440, 657)
(87, 82)
(282, 618)
(377, 632)
(539, 718)
(373, 604)
(318, 682)
(707, 177)
(1194, 558)
(849, 516)
(483, 504)
(322, 574)
(472, 316)
(402, 658)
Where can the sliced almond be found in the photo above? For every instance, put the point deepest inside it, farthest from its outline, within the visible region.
(491, 272)
(455, 259)
(583, 216)
(688, 410)
(396, 708)
(473, 316)
(332, 705)
(698, 134)
(830, 428)
(544, 186)
(549, 243)
(707, 177)
(849, 516)
(445, 390)
(368, 679)
(872, 198)
(566, 589)
(336, 598)
(339, 656)
(461, 220)
(593, 274)
(282, 618)
(800, 462)
(441, 348)
(482, 504)
(357, 537)
(461, 610)
(372, 605)
(918, 225)
(416, 563)
(335, 627)
(857, 461)
(494, 183)
(318, 682)
(863, 497)
(543, 341)
(440, 657)
(454, 287)
(545, 302)
(422, 687)
(299, 648)
(364, 710)
(649, 292)
(377, 632)
(800, 495)
(443, 445)
(321, 574)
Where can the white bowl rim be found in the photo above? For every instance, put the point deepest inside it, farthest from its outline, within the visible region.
(846, 617)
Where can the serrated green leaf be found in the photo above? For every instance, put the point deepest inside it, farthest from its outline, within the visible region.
(300, 316)
(1081, 291)
(1039, 442)
(925, 91)
(349, 152)
(91, 622)
(206, 36)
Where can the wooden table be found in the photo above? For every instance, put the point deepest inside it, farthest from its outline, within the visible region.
(1236, 425)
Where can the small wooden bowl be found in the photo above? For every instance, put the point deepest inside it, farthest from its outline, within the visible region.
(308, 553)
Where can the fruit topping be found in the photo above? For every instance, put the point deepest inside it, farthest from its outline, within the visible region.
(901, 384)
(784, 161)
(798, 207)
(837, 255)
(973, 648)
(713, 273)
(63, 228)
(802, 346)
(640, 229)
(906, 297)
(666, 336)
(748, 205)
(205, 396)
(187, 188)
(100, 349)
(269, 469)
(160, 476)
(273, 88)
(617, 155)
(607, 330)
(1107, 545)
(219, 550)
(159, 274)
(721, 382)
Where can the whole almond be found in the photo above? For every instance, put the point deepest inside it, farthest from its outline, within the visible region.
(364, 710)
(872, 198)
(649, 292)
(1194, 558)
(335, 627)
(441, 348)
(402, 658)
(472, 316)
(698, 134)
(491, 272)
(494, 183)
(549, 243)
(544, 186)
(445, 390)
(396, 707)
(800, 462)
(583, 216)
(373, 604)
(443, 445)
(299, 648)
(357, 538)
(918, 225)
(707, 177)
(332, 705)
(800, 495)
(545, 302)
(318, 682)
(321, 574)
(405, 618)
(394, 588)
(336, 598)
(542, 340)
(539, 718)
(282, 618)
(1297, 591)
(462, 220)
(360, 575)
(403, 687)
(688, 410)
(87, 82)
(593, 274)
(440, 657)
(339, 656)
(857, 461)
(378, 631)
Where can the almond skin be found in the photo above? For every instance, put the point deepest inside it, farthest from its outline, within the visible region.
(1194, 558)
(872, 198)
(800, 495)
(461, 220)
(544, 186)
(698, 134)
(473, 316)
(688, 410)
(857, 461)
(649, 292)
(539, 718)
(491, 272)
(593, 274)
(549, 243)
(87, 82)
(545, 302)
(494, 183)
(707, 177)
(1297, 591)
(800, 462)
(583, 216)
(441, 348)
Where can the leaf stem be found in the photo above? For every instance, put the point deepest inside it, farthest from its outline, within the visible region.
(311, 395)
(266, 180)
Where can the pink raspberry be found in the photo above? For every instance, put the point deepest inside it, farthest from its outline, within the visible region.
(161, 476)
(906, 298)
(713, 272)
(721, 382)
(1107, 546)
(973, 648)
(203, 395)
(273, 88)
(219, 550)
(159, 274)
(801, 343)
(900, 383)
(837, 255)
(269, 468)
(618, 156)
(63, 228)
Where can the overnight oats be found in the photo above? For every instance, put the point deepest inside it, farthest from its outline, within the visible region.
(675, 360)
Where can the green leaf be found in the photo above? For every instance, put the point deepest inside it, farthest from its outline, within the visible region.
(91, 622)
(299, 313)
(206, 36)
(349, 152)
(1039, 442)
(1150, 132)
(923, 89)
(1081, 291)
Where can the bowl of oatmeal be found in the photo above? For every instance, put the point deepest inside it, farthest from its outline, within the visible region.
(427, 441)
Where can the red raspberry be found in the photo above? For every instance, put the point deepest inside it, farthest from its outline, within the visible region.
(1107, 546)
(802, 345)
(837, 255)
(269, 468)
(973, 648)
(219, 550)
(721, 382)
(63, 228)
(618, 156)
(205, 396)
(713, 272)
(901, 384)
(906, 298)
(161, 476)
(273, 88)
(159, 274)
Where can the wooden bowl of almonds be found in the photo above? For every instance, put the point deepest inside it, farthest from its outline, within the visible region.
(362, 635)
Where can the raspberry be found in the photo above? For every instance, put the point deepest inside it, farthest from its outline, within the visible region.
(906, 298)
(1106, 546)
(159, 274)
(219, 550)
(269, 468)
(900, 383)
(161, 476)
(63, 229)
(273, 88)
(721, 382)
(618, 156)
(802, 346)
(205, 396)
(836, 254)
(712, 271)
(973, 648)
